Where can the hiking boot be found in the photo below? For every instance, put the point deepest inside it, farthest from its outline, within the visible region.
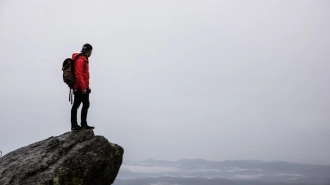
(85, 126)
(75, 127)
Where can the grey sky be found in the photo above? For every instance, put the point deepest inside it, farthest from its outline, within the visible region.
(174, 79)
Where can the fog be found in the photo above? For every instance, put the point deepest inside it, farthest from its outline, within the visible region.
(213, 79)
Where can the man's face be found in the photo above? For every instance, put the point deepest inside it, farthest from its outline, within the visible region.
(89, 53)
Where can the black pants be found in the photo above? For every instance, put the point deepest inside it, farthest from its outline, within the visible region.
(79, 98)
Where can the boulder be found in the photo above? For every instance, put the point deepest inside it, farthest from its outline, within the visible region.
(74, 158)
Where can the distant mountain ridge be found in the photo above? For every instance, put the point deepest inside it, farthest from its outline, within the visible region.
(251, 161)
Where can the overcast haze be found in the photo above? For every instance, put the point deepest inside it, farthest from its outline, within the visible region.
(218, 80)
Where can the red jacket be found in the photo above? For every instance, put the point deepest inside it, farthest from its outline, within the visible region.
(81, 72)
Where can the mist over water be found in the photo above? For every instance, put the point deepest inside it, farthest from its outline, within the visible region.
(239, 172)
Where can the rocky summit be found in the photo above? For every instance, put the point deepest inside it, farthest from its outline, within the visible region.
(74, 158)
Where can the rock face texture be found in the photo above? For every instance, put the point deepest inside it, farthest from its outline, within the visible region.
(74, 158)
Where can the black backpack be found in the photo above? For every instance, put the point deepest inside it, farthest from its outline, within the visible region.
(69, 74)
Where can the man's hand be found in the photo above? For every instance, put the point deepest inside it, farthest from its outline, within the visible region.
(89, 90)
(84, 91)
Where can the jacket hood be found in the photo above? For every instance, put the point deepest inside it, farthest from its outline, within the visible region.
(74, 56)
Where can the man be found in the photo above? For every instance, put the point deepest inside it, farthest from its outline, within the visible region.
(81, 87)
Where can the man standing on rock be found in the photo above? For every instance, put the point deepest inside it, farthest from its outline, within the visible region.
(81, 89)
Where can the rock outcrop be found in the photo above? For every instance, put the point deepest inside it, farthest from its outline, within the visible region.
(74, 158)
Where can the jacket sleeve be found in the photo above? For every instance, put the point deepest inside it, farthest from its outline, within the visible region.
(79, 67)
